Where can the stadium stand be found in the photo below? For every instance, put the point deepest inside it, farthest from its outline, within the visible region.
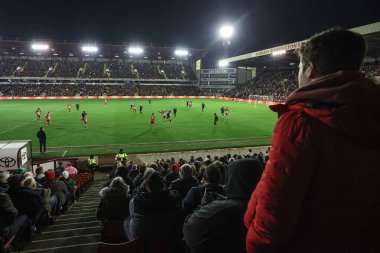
(67, 232)
(279, 84)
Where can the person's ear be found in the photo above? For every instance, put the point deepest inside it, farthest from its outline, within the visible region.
(312, 72)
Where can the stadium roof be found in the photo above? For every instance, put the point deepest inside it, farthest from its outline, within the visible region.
(74, 49)
(285, 56)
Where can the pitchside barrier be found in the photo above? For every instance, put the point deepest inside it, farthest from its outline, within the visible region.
(144, 97)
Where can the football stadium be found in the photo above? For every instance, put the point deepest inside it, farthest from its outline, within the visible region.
(149, 147)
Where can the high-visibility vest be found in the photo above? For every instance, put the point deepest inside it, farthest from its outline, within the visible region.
(91, 161)
(121, 157)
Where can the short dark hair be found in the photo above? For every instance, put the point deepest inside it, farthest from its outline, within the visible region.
(334, 50)
(155, 182)
(212, 174)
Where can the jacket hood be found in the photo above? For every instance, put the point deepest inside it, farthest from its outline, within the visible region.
(345, 101)
(242, 178)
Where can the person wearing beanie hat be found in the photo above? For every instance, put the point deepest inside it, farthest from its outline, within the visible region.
(49, 175)
(70, 184)
(59, 189)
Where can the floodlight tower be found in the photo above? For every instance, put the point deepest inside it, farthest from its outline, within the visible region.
(226, 33)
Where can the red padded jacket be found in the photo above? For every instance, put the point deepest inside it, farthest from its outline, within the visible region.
(320, 191)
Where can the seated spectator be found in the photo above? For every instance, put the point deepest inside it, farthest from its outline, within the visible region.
(40, 176)
(156, 213)
(71, 169)
(70, 184)
(4, 175)
(210, 189)
(185, 182)
(45, 194)
(58, 189)
(218, 226)
(60, 168)
(25, 200)
(12, 223)
(114, 202)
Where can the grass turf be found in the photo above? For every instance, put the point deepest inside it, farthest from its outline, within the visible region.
(115, 125)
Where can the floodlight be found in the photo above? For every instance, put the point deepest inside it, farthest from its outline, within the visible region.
(89, 49)
(181, 52)
(223, 63)
(40, 47)
(226, 31)
(279, 52)
(135, 50)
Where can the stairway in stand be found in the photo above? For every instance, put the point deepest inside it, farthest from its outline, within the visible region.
(77, 231)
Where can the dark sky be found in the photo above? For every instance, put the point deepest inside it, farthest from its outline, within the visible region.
(258, 24)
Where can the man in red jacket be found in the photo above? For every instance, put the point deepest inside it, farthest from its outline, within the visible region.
(320, 189)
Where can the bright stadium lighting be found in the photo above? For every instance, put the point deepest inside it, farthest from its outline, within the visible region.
(89, 49)
(135, 50)
(223, 63)
(279, 52)
(40, 47)
(226, 32)
(181, 52)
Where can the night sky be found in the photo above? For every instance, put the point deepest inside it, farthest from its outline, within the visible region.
(193, 24)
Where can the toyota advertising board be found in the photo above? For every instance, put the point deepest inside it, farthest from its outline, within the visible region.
(15, 155)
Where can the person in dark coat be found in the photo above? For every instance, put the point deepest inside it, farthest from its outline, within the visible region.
(41, 135)
(218, 226)
(11, 222)
(25, 200)
(155, 213)
(185, 182)
(172, 175)
(210, 189)
(58, 189)
(114, 202)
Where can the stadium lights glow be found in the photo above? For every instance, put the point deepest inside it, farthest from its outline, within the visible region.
(145, 57)
(135, 50)
(55, 54)
(181, 52)
(223, 63)
(226, 31)
(89, 49)
(40, 47)
(279, 52)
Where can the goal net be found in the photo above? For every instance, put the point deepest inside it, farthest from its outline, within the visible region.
(259, 99)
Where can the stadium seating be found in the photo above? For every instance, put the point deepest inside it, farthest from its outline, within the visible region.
(14, 67)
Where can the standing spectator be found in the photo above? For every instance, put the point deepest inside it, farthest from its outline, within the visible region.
(41, 135)
(211, 188)
(218, 226)
(114, 202)
(71, 169)
(320, 188)
(185, 182)
(155, 213)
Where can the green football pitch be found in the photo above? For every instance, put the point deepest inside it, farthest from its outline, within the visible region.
(115, 125)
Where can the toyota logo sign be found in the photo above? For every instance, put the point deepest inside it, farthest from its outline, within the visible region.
(7, 162)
